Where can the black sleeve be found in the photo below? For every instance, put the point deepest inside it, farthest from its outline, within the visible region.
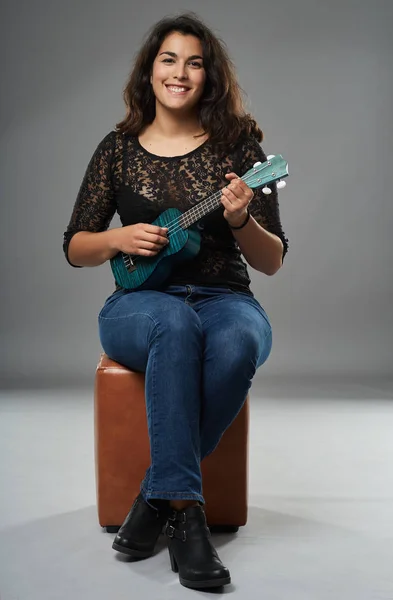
(94, 206)
(264, 208)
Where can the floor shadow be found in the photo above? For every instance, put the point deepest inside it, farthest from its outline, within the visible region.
(71, 552)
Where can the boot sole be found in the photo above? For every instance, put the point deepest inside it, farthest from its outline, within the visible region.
(210, 583)
(131, 551)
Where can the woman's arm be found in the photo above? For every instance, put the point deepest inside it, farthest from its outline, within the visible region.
(262, 250)
(87, 249)
(86, 242)
(262, 240)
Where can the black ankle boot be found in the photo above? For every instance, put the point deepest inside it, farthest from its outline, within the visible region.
(139, 533)
(191, 551)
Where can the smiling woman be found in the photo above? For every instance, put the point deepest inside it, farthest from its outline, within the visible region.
(178, 79)
(201, 335)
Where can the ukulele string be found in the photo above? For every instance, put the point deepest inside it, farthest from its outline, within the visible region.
(174, 226)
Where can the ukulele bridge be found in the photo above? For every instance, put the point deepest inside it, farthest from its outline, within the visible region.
(129, 263)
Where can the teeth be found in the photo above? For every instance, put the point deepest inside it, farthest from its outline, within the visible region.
(176, 89)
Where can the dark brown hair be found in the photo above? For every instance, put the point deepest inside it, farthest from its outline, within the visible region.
(221, 109)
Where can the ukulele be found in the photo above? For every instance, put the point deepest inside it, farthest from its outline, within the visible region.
(135, 272)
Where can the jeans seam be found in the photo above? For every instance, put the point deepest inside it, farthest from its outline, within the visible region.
(174, 495)
(128, 315)
(269, 333)
(153, 409)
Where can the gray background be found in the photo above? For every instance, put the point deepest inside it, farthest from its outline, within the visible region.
(319, 81)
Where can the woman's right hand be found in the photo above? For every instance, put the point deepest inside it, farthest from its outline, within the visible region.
(143, 239)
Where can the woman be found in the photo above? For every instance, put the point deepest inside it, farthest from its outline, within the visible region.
(200, 337)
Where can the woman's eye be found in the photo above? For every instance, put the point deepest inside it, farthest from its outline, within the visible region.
(192, 63)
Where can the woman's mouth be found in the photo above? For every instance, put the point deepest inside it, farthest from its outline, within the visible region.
(177, 89)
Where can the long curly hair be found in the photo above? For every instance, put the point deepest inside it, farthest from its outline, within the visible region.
(222, 114)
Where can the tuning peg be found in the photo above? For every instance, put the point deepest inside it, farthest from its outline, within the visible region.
(270, 157)
(257, 164)
(281, 184)
(266, 190)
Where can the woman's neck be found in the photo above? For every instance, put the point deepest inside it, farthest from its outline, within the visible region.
(168, 124)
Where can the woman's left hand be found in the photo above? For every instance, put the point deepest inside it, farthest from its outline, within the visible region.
(235, 199)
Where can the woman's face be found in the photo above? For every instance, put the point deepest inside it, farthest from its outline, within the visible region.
(178, 75)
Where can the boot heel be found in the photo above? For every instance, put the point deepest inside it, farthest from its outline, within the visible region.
(174, 566)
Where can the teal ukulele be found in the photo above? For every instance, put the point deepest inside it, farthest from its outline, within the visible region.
(134, 272)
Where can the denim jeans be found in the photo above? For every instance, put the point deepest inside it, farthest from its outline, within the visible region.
(199, 348)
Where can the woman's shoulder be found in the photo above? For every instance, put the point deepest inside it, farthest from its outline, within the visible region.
(106, 145)
(115, 138)
(114, 143)
(248, 143)
(247, 147)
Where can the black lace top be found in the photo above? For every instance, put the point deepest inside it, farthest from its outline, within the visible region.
(122, 176)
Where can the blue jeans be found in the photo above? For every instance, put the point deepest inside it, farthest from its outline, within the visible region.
(199, 348)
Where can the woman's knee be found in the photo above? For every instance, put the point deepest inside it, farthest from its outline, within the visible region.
(133, 324)
(178, 320)
(242, 347)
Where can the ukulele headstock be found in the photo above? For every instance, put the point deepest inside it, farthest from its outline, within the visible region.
(275, 168)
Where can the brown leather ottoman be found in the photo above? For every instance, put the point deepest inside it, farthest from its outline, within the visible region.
(122, 453)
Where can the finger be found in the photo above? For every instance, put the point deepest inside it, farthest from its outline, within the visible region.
(241, 187)
(229, 206)
(145, 245)
(231, 196)
(232, 176)
(154, 237)
(155, 229)
(147, 253)
(237, 181)
(242, 195)
(226, 204)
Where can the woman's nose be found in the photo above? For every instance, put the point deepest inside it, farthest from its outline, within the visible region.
(180, 71)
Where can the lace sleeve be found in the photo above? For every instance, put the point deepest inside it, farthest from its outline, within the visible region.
(264, 209)
(94, 206)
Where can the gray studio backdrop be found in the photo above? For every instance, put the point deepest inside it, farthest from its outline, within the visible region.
(318, 79)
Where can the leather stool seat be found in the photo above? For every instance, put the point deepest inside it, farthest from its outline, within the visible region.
(122, 453)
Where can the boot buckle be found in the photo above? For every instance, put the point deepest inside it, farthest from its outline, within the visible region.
(170, 531)
(178, 516)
